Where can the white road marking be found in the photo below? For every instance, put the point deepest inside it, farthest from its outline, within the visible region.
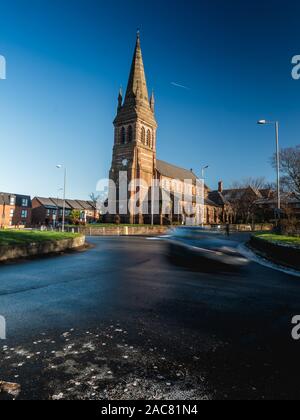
(158, 238)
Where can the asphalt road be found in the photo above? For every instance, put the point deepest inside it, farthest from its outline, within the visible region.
(121, 321)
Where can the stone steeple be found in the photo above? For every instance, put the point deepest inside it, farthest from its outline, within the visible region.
(136, 103)
(137, 92)
(135, 131)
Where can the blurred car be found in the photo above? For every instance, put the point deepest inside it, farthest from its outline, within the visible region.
(198, 246)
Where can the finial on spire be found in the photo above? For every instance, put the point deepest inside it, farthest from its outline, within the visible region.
(152, 101)
(120, 97)
(138, 33)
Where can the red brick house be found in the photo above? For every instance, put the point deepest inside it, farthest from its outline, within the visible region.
(49, 211)
(15, 210)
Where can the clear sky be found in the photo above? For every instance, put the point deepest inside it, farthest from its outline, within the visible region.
(66, 60)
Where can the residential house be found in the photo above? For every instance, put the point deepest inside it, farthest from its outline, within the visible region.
(15, 210)
(49, 211)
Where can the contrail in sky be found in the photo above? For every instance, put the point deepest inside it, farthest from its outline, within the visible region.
(180, 86)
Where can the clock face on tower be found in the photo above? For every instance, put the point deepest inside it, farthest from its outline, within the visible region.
(125, 162)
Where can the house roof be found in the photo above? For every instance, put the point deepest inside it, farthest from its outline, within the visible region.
(171, 171)
(75, 205)
(211, 203)
(5, 198)
(53, 203)
(86, 205)
(267, 193)
(287, 198)
(46, 202)
(217, 198)
(92, 204)
(235, 194)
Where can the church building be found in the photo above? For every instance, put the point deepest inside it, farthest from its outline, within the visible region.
(134, 152)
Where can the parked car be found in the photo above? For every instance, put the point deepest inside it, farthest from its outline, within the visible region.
(201, 247)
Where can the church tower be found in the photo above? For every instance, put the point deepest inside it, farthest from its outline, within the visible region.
(135, 131)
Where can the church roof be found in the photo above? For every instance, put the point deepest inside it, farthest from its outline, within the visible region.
(174, 172)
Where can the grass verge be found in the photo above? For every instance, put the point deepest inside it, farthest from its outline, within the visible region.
(279, 239)
(110, 225)
(19, 237)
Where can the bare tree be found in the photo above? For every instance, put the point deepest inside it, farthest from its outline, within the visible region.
(243, 201)
(94, 199)
(290, 169)
(255, 183)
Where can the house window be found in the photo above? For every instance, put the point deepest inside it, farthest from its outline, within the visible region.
(24, 214)
(123, 135)
(24, 202)
(12, 201)
(143, 135)
(48, 212)
(12, 212)
(129, 134)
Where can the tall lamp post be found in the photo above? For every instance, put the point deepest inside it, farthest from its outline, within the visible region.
(64, 197)
(204, 168)
(203, 171)
(276, 124)
(3, 212)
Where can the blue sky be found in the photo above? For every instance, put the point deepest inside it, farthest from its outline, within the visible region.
(67, 59)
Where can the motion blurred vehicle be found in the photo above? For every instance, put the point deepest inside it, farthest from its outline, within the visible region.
(201, 247)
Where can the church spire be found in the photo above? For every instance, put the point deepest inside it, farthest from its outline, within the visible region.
(137, 92)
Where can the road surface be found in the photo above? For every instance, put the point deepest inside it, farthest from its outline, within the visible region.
(121, 321)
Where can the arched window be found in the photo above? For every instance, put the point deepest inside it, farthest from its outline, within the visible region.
(143, 135)
(123, 135)
(129, 134)
(149, 138)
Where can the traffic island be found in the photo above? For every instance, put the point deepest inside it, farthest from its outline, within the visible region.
(283, 250)
(26, 244)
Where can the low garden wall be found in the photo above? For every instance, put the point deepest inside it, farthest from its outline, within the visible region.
(282, 254)
(144, 230)
(121, 230)
(13, 252)
(250, 228)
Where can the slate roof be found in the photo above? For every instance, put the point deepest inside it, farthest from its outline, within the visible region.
(238, 193)
(53, 203)
(174, 172)
(74, 204)
(287, 198)
(46, 202)
(211, 203)
(5, 199)
(217, 198)
(86, 205)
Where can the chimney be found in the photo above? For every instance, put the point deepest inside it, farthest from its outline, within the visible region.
(220, 188)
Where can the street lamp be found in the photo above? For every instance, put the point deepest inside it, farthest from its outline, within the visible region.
(203, 171)
(64, 198)
(3, 212)
(204, 168)
(276, 124)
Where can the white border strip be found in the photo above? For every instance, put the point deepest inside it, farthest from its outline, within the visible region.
(244, 250)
